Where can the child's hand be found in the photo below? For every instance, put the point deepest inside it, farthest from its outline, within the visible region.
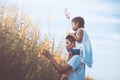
(72, 34)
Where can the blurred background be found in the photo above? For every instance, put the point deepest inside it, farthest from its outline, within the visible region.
(102, 22)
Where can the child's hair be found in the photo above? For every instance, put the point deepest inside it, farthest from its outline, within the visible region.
(79, 20)
(70, 38)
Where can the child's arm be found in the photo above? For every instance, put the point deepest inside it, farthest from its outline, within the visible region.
(78, 35)
(73, 34)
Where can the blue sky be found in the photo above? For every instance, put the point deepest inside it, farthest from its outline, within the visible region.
(102, 22)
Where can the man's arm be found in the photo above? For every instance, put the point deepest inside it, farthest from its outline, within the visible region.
(70, 56)
(59, 68)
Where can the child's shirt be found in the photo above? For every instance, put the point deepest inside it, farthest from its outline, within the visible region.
(85, 49)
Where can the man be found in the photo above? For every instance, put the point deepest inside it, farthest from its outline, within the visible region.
(74, 64)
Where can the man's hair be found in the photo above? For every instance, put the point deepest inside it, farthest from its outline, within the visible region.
(79, 20)
(70, 38)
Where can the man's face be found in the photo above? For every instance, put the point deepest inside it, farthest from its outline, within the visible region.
(69, 45)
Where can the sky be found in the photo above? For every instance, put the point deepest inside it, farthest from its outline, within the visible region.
(102, 22)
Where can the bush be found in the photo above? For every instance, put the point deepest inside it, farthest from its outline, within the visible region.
(21, 48)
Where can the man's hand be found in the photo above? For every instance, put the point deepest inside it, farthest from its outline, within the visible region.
(46, 53)
(59, 68)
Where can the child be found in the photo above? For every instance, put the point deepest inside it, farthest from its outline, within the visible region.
(83, 42)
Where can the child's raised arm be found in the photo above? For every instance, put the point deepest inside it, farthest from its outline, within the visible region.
(78, 36)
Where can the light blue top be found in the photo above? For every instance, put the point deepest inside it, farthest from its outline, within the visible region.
(85, 49)
(78, 68)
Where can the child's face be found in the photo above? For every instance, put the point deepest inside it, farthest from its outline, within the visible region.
(69, 45)
(74, 26)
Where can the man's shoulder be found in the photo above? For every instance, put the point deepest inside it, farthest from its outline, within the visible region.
(74, 62)
(76, 57)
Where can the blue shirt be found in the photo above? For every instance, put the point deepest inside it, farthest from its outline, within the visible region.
(78, 68)
(75, 51)
(85, 49)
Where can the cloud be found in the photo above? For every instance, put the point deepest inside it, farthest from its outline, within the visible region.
(115, 36)
(103, 19)
(112, 36)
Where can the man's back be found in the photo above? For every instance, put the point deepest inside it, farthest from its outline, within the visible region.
(78, 68)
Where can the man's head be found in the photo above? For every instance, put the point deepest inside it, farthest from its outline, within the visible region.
(70, 42)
